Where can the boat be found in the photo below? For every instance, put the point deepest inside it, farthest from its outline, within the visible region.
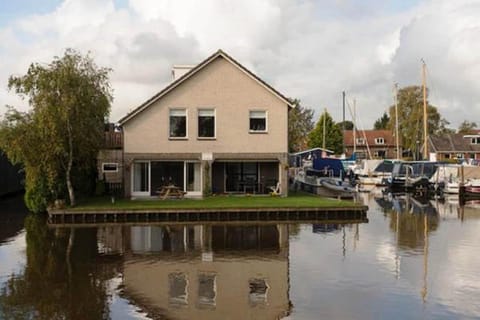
(472, 189)
(325, 177)
(411, 176)
(373, 173)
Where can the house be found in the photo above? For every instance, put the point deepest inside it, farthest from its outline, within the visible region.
(454, 146)
(379, 144)
(371, 144)
(217, 128)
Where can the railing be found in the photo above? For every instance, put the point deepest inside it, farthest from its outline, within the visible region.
(114, 189)
(113, 140)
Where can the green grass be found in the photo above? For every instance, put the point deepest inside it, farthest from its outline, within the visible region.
(294, 200)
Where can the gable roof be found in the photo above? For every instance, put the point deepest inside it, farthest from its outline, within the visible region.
(454, 142)
(387, 135)
(219, 54)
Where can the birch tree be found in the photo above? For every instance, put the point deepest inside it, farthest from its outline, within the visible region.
(69, 101)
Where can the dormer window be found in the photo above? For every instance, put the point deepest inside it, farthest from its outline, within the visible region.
(360, 141)
(475, 140)
(379, 141)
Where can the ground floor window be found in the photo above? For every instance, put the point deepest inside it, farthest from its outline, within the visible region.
(244, 176)
(149, 177)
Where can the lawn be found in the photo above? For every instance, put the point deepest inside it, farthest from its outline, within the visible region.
(294, 200)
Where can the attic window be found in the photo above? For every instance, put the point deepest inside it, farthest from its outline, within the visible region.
(475, 140)
(379, 141)
(360, 141)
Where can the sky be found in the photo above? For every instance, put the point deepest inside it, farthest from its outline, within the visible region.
(306, 49)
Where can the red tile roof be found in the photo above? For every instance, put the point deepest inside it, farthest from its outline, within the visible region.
(371, 135)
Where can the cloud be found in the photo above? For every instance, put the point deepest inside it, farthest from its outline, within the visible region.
(306, 49)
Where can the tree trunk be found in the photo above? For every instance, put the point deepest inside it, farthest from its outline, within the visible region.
(71, 193)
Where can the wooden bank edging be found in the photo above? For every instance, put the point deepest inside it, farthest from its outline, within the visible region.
(68, 216)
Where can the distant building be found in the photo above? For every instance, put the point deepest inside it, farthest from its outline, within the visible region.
(455, 146)
(374, 144)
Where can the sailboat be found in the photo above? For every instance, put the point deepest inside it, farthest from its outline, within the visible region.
(322, 175)
(414, 176)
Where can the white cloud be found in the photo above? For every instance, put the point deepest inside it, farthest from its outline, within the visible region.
(307, 49)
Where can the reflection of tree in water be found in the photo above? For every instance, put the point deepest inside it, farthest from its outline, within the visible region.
(55, 284)
(410, 228)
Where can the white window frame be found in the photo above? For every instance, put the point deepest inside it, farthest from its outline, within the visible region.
(192, 193)
(380, 140)
(475, 140)
(141, 193)
(186, 123)
(109, 163)
(214, 123)
(360, 141)
(250, 117)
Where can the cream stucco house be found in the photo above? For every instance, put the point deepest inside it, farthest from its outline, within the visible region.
(216, 128)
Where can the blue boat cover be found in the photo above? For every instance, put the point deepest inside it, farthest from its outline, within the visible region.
(329, 164)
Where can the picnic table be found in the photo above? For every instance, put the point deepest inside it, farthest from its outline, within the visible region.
(170, 191)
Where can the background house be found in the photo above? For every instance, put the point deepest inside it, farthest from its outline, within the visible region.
(371, 144)
(217, 128)
(455, 146)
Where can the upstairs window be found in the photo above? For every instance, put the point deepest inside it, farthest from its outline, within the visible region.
(206, 123)
(360, 141)
(178, 123)
(258, 121)
(379, 141)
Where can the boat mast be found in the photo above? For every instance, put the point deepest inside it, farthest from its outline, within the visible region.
(354, 126)
(324, 120)
(343, 124)
(395, 97)
(425, 123)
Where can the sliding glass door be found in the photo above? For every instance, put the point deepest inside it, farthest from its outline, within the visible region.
(141, 179)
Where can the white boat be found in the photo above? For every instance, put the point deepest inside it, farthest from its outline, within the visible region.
(325, 185)
(374, 172)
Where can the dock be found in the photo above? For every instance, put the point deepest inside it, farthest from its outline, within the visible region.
(326, 214)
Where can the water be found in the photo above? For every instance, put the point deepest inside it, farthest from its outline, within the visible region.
(412, 260)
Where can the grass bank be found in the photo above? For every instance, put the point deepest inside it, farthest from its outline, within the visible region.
(294, 200)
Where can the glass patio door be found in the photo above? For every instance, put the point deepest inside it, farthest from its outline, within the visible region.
(141, 179)
(193, 177)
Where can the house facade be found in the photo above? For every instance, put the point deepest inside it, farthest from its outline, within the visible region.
(371, 144)
(218, 128)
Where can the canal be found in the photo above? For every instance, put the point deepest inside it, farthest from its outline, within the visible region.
(411, 260)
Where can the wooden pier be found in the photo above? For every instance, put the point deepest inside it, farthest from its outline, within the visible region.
(340, 215)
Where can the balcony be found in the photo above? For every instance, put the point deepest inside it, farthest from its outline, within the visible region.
(113, 140)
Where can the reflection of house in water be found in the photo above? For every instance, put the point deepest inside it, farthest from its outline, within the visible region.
(207, 271)
(326, 227)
